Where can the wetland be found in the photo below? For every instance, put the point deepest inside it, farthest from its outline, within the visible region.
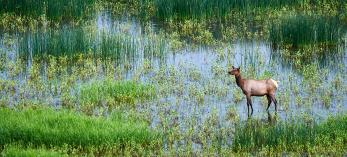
(150, 77)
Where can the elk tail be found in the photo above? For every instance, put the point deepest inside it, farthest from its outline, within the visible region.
(275, 82)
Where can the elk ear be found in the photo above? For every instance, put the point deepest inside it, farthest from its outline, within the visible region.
(233, 67)
(238, 69)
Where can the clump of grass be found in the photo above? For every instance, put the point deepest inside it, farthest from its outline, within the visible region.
(300, 30)
(55, 10)
(66, 41)
(112, 93)
(58, 128)
(292, 135)
(196, 9)
(73, 41)
(121, 47)
(69, 41)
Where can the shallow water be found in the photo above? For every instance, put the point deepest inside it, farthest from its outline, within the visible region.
(214, 86)
(205, 59)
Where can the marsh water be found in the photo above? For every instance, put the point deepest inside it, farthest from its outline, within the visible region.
(193, 82)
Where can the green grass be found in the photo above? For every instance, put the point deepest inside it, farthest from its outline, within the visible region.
(292, 136)
(66, 41)
(118, 46)
(72, 41)
(113, 93)
(61, 10)
(196, 9)
(300, 30)
(59, 128)
(69, 41)
(18, 151)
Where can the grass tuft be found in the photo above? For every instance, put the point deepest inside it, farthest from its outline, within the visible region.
(112, 93)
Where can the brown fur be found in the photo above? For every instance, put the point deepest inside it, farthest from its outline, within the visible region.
(255, 88)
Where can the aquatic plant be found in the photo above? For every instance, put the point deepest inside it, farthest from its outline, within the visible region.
(55, 10)
(292, 135)
(66, 41)
(112, 93)
(195, 9)
(297, 31)
(74, 41)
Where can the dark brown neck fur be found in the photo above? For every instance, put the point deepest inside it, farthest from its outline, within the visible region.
(239, 80)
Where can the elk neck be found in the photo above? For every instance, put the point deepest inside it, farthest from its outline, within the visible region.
(239, 80)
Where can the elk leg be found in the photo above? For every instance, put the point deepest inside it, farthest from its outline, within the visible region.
(275, 101)
(249, 102)
(247, 108)
(251, 107)
(269, 102)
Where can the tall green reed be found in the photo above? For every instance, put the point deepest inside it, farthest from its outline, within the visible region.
(65, 41)
(55, 10)
(72, 41)
(300, 30)
(197, 9)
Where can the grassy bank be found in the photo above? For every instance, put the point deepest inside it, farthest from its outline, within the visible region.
(58, 128)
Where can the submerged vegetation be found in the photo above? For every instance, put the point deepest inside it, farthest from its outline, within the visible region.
(149, 77)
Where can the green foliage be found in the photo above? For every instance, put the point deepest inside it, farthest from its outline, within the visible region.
(112, 93)
(15, 151)
(299, 30)
(61, 10)
(196, 9)
(291, 135)
(66, 41)
(72, 41)
(49, 127)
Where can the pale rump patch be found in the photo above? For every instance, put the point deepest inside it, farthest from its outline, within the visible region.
(275, 82)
